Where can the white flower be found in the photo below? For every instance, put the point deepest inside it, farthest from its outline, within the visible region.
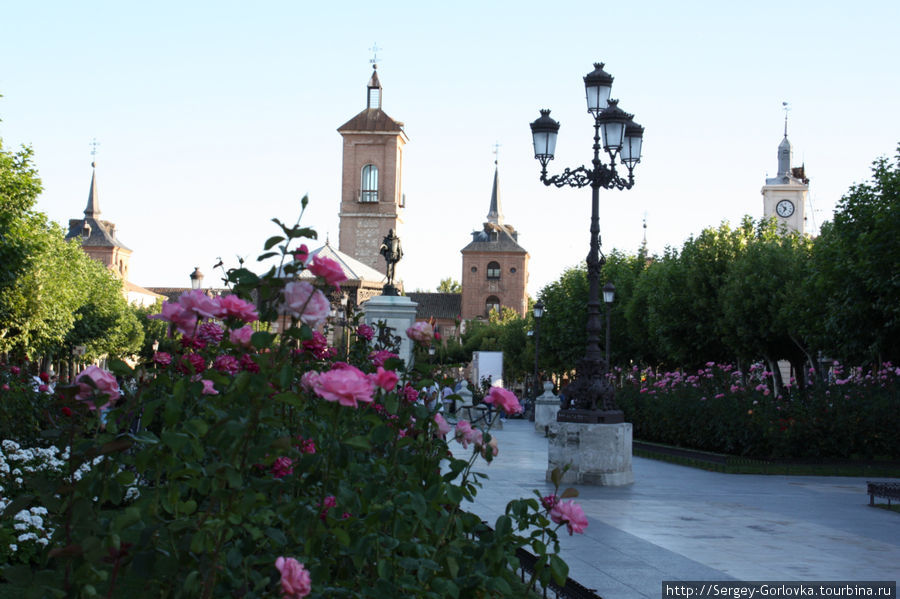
(28, 536)
(13, 548)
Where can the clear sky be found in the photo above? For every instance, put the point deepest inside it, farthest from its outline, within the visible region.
(214, 117)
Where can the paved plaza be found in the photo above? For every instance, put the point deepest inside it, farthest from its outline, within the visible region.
(679, 523)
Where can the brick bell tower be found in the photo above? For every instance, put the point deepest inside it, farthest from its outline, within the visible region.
(371, 194)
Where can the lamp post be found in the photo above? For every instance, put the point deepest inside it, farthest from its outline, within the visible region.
(609, 295)
(538, 312)
(196, 278)
(590, 397)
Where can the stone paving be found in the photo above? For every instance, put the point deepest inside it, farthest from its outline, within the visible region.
(679, 523)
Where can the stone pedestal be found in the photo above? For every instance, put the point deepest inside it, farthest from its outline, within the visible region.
(398, 312)
(545, 408)
(597, 454)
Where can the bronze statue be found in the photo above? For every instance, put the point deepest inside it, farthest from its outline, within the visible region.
(392, 252)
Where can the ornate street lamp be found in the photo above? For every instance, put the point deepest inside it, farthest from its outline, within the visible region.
(590, 398)
(538, 312)
(609, 295)
(196, 278)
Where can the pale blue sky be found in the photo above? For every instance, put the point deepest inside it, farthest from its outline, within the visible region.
(214, 117)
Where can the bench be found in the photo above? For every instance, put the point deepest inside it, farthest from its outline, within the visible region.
(884, 490)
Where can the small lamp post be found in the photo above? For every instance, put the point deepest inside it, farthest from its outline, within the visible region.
(590, 397)
(609, 295)
(196, 278)
(538, 312)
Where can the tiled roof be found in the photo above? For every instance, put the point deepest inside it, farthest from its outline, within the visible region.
(372, 119)
(353, 269)
(131, 287)
(439, 305)
(494, 238)
(102, 233)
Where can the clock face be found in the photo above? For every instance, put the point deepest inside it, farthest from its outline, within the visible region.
(784, 208)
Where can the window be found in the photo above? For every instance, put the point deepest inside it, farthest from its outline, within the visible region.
(513, 270)
(369, 187)
(474, 269)
(493, 270)
(492, 303)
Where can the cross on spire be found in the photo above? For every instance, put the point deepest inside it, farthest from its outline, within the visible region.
(374, 59)
(94, 143)
(496, 152)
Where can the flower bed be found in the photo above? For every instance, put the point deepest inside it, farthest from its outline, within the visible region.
(720, 409)
(259, 465)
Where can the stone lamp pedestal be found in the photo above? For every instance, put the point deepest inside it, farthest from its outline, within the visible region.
(545, 408)
(399, 313)
(597, 454)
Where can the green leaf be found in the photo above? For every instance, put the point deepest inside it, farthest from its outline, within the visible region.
(559, 569)
(360, 442)
(266, 256)
(290, 398)
(556, 477)
(570, 492)
(503, 526)
(262, 340)
(342, 537)
(272, 242)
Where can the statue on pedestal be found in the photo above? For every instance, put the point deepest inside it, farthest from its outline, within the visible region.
(392, 252)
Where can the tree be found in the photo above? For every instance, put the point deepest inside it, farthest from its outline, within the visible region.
(449, 285)
(563, 334)
(855, 260)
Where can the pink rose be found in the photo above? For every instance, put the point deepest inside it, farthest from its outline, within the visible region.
(43, 388)
(282, 467)
(364, 331)
(208, 388)
(505, 400)
(192, 364)
(227, 364)
(301, 253)
(162, 358)
(45, 377)
(328, 269)
(571, 514)
(318, 346)
(386, 379)
(306, 302)
(199, 303)
(295, 581)
(490, 448)
(184, 320)
(443, 426)
(421, 332)
(15, 370)
(249, 364)
(308, 380)
(347, 385)
(549, 501)
(232, 306)
(210, 332)
(104, 384)
(5, 387)
(379, 357)
(465, 434)
(241, 336)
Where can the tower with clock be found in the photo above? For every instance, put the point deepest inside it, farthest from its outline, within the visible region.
(784, 196)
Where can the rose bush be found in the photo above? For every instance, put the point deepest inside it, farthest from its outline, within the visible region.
(255, 464)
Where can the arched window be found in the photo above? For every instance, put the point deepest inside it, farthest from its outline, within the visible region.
(492, 303)
(493, 270)
(369, 186)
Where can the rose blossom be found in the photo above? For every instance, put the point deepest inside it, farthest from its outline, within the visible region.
(241, 336)
(104, 384)
(231, 306)
(249, 364)
(421, 332)
(208, 388)
(282, 467)
(192, 364)
(379, 357)
(347, 385)
(318, 346)
(200, 304)
(15, 370)
(571, 514)
(386, 379)
(308, 380)
(548, 501)
(210, 332)
(183, 320)
(443, 426)
(162, 358)
(227, 364)
(465, 434)
(364, 331)
(328, 269)
(295, 581)
(505, 400)
(306, 303)
(491, 447)
(301, 253)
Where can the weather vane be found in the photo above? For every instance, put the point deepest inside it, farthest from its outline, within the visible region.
(496, 152)
(374, 59)
(94, 143)
(786, 107)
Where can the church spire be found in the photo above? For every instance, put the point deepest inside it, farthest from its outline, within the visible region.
(495, 213)
(785, 152)
(92, 210)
